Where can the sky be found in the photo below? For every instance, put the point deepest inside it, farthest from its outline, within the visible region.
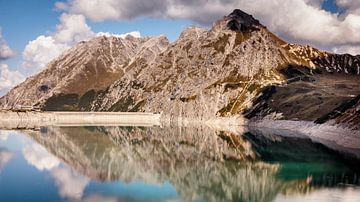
(32, 33)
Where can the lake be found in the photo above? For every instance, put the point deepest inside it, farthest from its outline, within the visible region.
(113, 163)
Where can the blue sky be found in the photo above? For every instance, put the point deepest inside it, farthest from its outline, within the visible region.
(330, 5)
(320, 23)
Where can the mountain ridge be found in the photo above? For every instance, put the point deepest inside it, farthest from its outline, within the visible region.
(225, 71)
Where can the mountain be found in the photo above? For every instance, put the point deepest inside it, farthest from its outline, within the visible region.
(82, 71)
(238, 67)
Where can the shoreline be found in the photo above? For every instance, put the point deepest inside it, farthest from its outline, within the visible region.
(335, 137)
(37, 119)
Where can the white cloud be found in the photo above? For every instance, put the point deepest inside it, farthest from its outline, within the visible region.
(203, 11)
(354, 50)
(41, 51)
(8, 78)
(315, 3)
(113, 9)
(349, 4)
(5, 157)
(5, 51)
(71, 184)
(71, 30)
(135, 34)
(37, 156)
(300, 21)
(4, 135)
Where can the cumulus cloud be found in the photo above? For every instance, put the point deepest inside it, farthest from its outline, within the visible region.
(4, 135)
(37, 156)
(72, 29)
(5, 157)
(348, 4)
(135, 34)
(302, 21)
(8, 78)
(315, 3)
(354, 50)
(202, 11)
(42, 50)
(111, 9)
(71, 184)
(5, 51)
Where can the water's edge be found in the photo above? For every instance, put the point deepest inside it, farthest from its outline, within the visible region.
(335, 137)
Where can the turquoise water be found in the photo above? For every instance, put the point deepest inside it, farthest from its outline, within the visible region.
(170, 164)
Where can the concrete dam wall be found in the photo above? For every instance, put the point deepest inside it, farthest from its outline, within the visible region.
(19, 120)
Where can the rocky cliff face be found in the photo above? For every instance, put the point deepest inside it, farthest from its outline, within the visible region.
(69, 82)
(237, 67)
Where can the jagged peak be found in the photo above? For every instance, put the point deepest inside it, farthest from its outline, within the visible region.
(161, 37)
(192, 31)
(101, 38)
(161, 42)
(238, 20)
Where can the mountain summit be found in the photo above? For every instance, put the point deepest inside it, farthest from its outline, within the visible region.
(241, 21)
(238, 67)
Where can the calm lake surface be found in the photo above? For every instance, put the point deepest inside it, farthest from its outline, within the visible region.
(171, 164)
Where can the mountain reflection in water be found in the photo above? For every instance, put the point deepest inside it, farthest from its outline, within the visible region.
(182, 163)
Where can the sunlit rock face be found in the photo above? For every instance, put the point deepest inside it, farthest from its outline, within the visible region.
(205, 73)
(238, 67)
(201, 163)
(71, 81)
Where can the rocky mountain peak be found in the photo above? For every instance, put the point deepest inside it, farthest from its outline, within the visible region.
(192, 32)
(238, 20)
